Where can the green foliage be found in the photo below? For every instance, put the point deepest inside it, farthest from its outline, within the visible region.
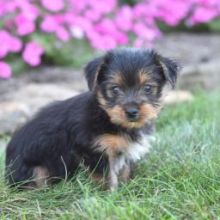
(128, 2)
(73, 54)
(215, 25)
(179, 179)
(212, 26)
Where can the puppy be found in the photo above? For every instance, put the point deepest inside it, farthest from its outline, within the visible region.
(107, 129)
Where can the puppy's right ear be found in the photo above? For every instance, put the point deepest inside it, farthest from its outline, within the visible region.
(91, 71)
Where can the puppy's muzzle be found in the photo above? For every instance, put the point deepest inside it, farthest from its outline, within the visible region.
(132, 113)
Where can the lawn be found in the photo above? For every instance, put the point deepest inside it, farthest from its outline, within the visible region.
(180, 179)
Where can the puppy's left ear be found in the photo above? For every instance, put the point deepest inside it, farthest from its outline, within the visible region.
(91, 70)
(170, 69)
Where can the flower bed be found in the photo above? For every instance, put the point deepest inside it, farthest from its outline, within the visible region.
(104, 24)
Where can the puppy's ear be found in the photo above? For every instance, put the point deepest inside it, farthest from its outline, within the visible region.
(170, 69)
(96, 69)
(91, 71)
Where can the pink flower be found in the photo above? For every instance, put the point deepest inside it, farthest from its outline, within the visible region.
(103, 42)
(101, 6)
(145, 32)
(5, 43)
(79, 6)
(9, 43)
(124, 18)
(49, 24)
(53, 24)
(92, 15)
(5, 70)
(138, 42)
(176, 11)
(202, 15)
(25, 25)
(7, 7)
(62, 34)
(140, 10)
(83, 23)
(53, 5)
(30, 11)
(106, 24)
(32, 53)
(15, 44)
(108, 29)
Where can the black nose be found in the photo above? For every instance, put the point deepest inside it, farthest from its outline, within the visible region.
(132, 113)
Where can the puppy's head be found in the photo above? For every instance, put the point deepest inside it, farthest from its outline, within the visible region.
(129, 83)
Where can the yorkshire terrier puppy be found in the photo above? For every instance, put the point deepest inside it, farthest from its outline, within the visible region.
(107, 129)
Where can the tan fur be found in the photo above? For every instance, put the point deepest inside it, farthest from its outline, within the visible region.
(111, 144)
(101, 99)
(117, 115)
(117, 79)
(143, 76)
(148, 112)
(41, 175)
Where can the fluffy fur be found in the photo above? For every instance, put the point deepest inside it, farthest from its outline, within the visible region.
(107, 128)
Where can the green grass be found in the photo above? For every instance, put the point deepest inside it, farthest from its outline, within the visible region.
(180, 179)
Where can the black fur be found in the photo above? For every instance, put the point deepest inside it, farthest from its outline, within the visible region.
(136, 59)
(61, 135)
(91, 71)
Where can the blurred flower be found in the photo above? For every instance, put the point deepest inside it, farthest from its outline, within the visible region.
(24, 24)
(62, 34)
(15, 44)
(105, 24)
(77, 32)
(30, 11)
(32, 53)
(202, 15)
(103, 7)
(9, 43)
(53, 5)
(49, 24)
(53, 24)
(5, 70)
(124, 18)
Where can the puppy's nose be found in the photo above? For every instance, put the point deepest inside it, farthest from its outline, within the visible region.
(132, 113)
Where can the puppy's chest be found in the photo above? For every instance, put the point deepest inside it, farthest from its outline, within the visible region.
(122, 148)
(136, 150)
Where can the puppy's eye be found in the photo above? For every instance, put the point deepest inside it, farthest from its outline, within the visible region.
(147, 89)
(115, 90)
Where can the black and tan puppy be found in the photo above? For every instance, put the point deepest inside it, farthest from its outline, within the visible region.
(107, 128)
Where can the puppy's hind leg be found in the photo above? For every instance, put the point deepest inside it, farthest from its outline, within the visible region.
(40, 176)
(25, 176)
(20, 175)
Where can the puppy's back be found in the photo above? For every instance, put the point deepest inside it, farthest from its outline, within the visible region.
(42, 139)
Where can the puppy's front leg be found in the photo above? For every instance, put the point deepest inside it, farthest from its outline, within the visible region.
(125, 173)
(112, 175)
